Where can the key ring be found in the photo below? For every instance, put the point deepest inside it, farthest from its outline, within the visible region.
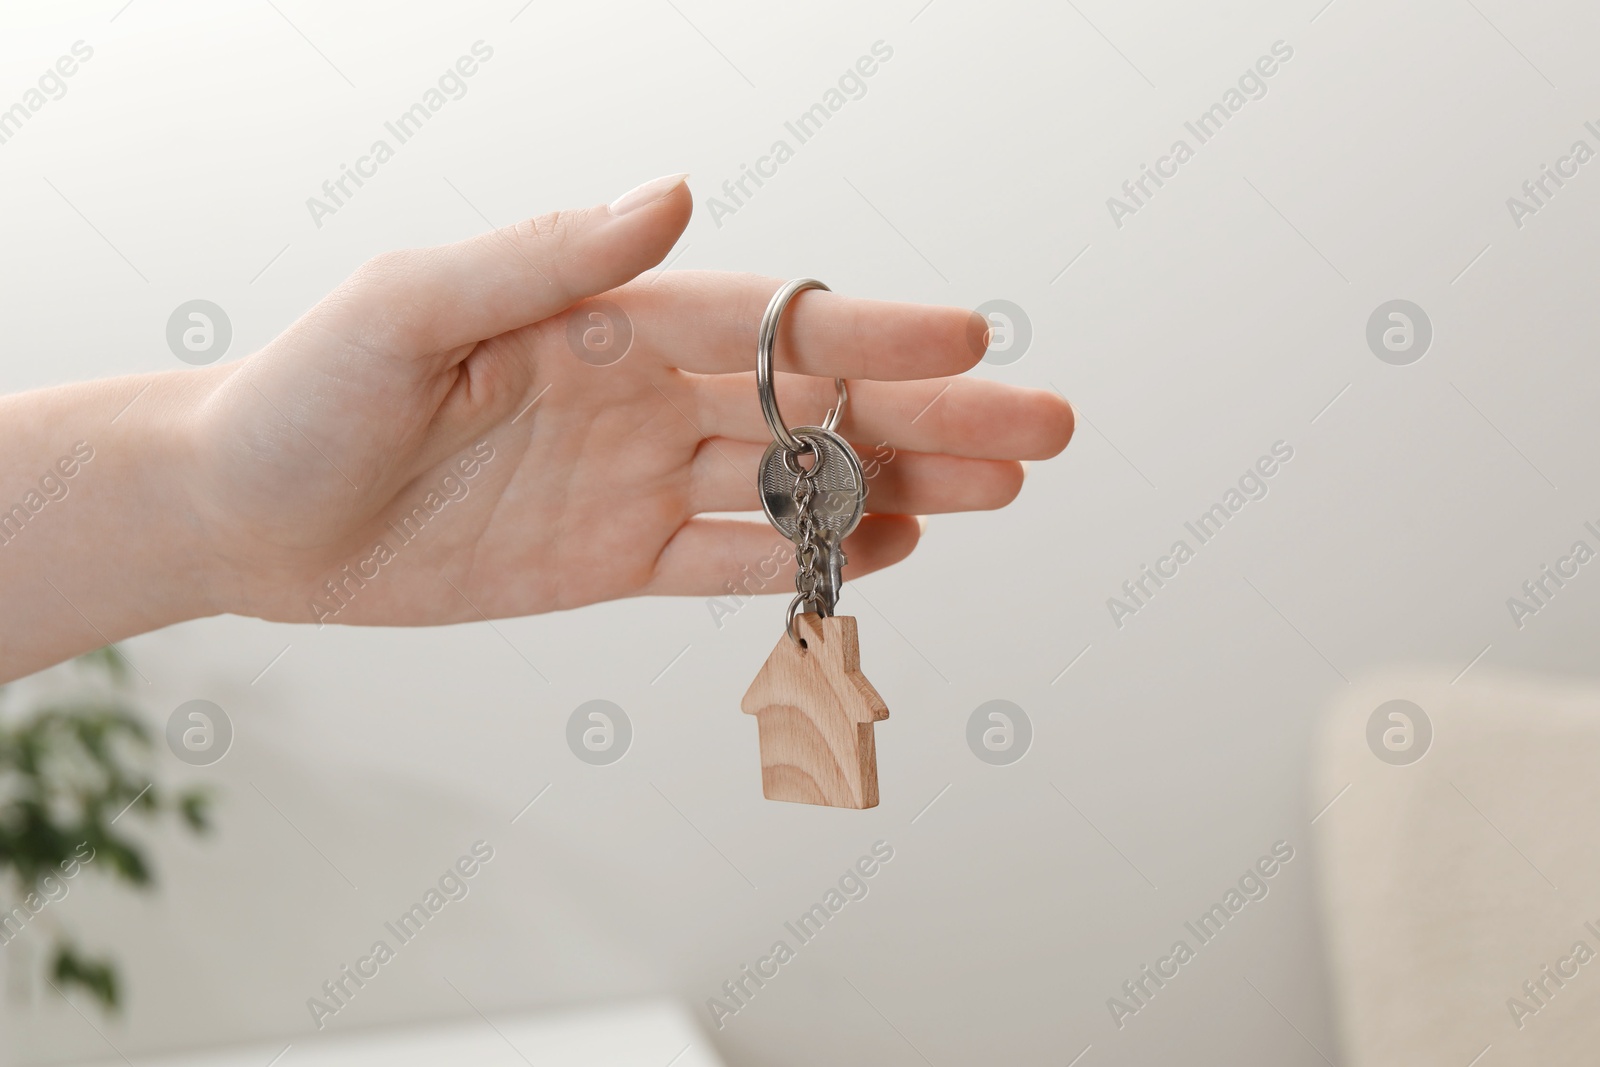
(765, 343)
(795, 606)
(791, 458)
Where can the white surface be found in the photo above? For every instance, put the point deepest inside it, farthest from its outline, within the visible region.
(1218, 320)
(621, 1036)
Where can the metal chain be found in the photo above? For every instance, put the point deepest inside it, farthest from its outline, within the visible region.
(807, 577)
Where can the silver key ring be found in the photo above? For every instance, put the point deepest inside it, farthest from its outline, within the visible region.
(794, 609)
(765, 342)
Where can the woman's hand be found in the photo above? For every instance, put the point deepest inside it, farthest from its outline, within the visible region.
(427, 446)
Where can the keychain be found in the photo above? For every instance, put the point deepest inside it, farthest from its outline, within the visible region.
(814, 708)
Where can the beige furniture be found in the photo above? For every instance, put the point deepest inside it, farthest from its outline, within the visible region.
(1461, 892)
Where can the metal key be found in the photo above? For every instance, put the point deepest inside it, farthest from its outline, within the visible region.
(835, 501)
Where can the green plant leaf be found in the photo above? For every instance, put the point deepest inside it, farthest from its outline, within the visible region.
(97, 976)
(70, 771)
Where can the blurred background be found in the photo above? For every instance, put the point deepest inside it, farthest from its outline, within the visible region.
(1357, 274)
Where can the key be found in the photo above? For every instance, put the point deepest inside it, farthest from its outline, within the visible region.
(839, 486)
(836, 500)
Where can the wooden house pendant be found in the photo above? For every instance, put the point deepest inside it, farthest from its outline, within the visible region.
(814, 710)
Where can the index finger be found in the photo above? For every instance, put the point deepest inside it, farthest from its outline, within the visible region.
(707, 321)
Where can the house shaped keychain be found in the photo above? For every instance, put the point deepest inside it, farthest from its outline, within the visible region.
(814, 708)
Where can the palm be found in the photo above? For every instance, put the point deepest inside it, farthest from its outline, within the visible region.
(599, 478)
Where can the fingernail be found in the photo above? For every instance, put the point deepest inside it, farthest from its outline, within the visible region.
(648, 193)
(922, 525)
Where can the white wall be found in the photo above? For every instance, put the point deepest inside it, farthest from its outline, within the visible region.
(1221, 318)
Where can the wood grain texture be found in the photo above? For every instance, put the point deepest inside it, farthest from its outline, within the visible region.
(814, 711)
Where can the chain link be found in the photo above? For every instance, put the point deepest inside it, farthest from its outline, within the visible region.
(824, 503)
(807, 577)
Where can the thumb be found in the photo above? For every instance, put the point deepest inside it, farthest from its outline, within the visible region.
(437, 299)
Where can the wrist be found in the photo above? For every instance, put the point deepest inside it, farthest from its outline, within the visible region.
(167, 443)
(97, 536)
(139, 529)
